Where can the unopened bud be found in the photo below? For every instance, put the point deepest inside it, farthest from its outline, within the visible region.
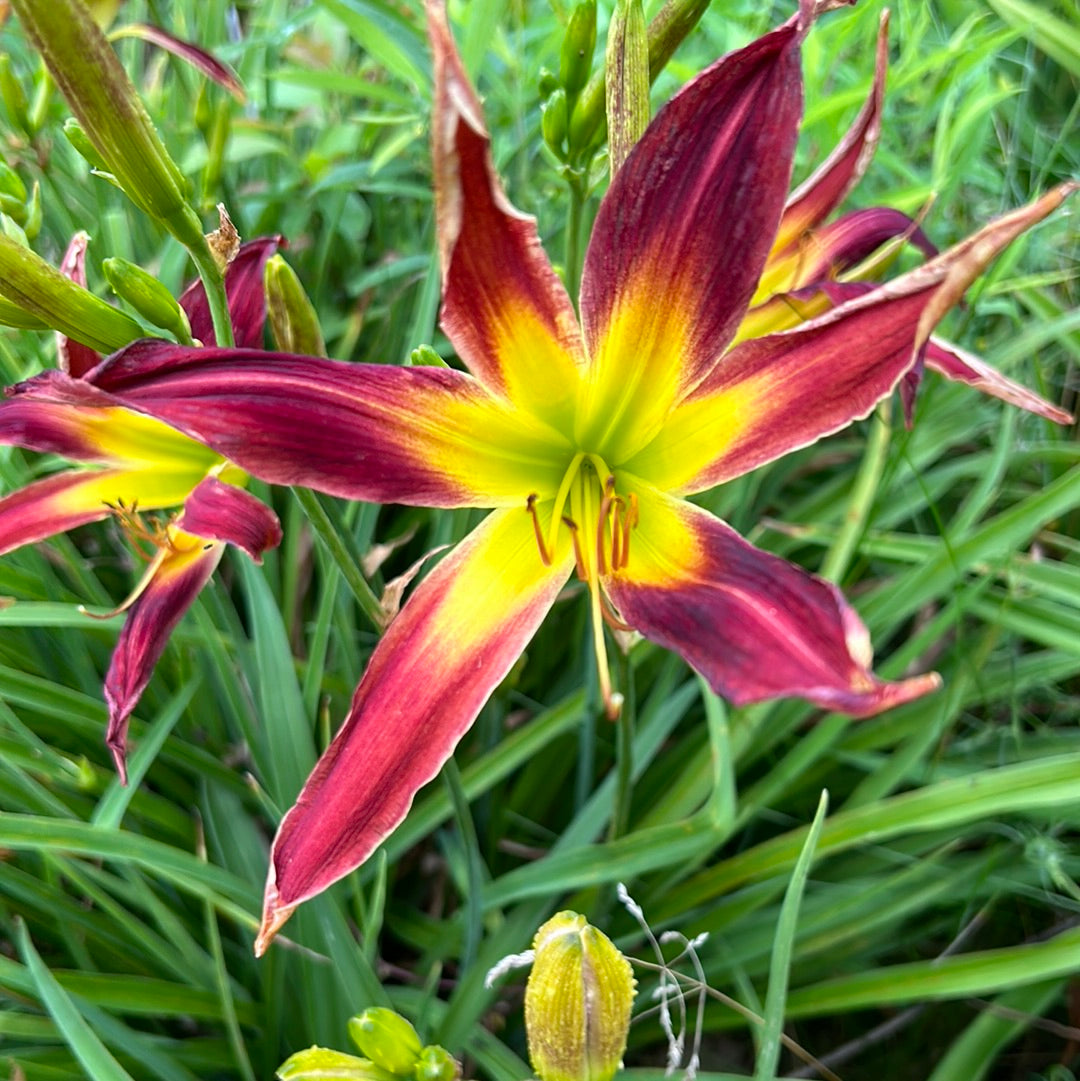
(548, 83)
(294, 323)
(11, 92)
(99, 92)
(147, 296)
(553, 121)
(423, 356)
(436, 1064)
(577, 1002)
(627, 83)
(575, 60)
(387, 1039)
(73, 132)
(321, 1063)
(41, 291)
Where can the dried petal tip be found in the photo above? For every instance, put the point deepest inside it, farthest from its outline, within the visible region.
(275, 916)
(577, 1002)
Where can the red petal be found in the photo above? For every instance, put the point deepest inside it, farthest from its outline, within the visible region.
(223, 512)
(450, 646)
(754, 625)
(53, 505)
(247, 297)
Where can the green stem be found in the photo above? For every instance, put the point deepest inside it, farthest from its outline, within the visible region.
(339, 552)
(624, 754)
(214, 284)
(573, 235)
(840, 552)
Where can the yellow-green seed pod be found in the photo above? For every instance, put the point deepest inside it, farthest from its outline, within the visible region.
(99, 92)
(294, 323)
(147, 296)
(423, 356)
(387, 1039)
(41, 291)
(627, 84)
(319, 1063)
(11, 92)
(577, 1002)
(553, 121)
(436, 1064)
(575, 60)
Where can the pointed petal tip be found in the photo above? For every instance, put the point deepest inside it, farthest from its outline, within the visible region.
(890, 695)
(275, 916)
(118, 749)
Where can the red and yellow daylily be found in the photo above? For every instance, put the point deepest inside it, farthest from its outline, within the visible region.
(131, 464)
(585, 438)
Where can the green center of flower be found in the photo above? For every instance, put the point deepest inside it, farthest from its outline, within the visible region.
(600, 521)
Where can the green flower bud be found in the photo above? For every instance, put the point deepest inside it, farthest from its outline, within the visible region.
(11, 183)
(33, 212)
(387, 1039)
(11, 315)
(548, 84)
(627, 84)
(11, 92)
(293, 321)
(577, 1002)
(575, 61)
(321, 1063)
(423, 356)
(42, 292)
(73, 132)
(436, 1064)
(148, 297)
(13, 208)
(553, 120)
(99, 92)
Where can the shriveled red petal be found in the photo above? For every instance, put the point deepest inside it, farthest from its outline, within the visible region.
(772, 395)
(53, 505)
(963, 367)
(223, 512)
(504, 308)
(75, 358)
(188, 51)
(682, 235)
(247, 298)
(451, 645)
(173, 583)
(423, 436)
(755, 626)
(818, 196)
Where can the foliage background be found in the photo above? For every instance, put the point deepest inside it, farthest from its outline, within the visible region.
(938, 929)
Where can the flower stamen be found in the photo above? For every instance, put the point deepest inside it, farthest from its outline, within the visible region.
(530, 506)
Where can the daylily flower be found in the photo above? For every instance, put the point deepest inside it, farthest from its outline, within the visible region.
(137, 465)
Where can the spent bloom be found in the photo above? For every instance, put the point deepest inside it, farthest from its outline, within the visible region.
(129, 464)
(584, 437)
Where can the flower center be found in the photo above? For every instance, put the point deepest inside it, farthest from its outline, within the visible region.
(600, 520)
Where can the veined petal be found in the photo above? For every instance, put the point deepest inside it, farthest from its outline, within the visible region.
(820, 194)
(168, 590)
(440, 659)
(754, 625)
(223, 512)
(682, 236)
(75, 358)
(244, 289)
(504, 308)
(963, 367)
(772, 395)
(53, 413)
(826, 252)
(66, 500)
(422, 436)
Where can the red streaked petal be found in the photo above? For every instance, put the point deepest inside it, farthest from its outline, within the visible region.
(53, 505)
(504, 308)
(818, 196)
(754, 625)
(963, 367)
(772, 395)
(247, 297)
(170, 588)
(828, 251)
(223, 512)
(440, 659)
(682, 236)
(75, 358)
(423, 436)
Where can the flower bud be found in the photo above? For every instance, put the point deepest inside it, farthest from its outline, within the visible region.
(577, 1002)
(548, 83)
(627, 84)
(147, 296)
(294, 323)
(73, 132)
(42, 292)
(575, 61)
(553, 121)
(99, 92)
(322, 1062)
(11, 92)
(423, 356)
(387, 1039)
(436, 1064)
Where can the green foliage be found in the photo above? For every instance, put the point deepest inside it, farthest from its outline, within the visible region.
(946, 870)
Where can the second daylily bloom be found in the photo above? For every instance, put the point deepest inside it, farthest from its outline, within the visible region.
(585, 438)
(129, 465)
